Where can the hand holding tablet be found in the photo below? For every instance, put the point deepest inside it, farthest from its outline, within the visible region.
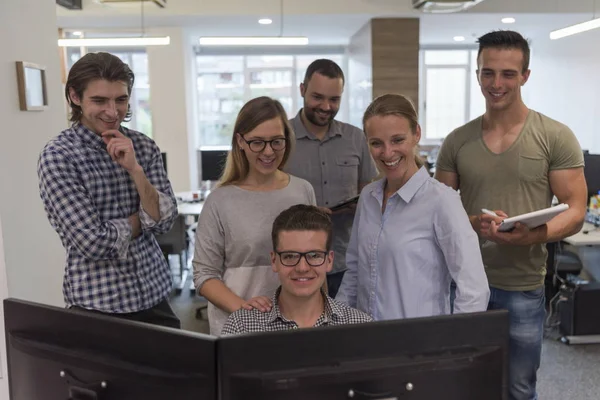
(531, 220)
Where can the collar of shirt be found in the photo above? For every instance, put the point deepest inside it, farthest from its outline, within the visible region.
(410, 188)
(331, 312)
(301, 132)
(88, 137)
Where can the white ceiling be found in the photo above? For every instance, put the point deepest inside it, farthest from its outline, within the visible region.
(330, 22)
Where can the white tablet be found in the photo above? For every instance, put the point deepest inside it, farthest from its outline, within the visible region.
(533, 219)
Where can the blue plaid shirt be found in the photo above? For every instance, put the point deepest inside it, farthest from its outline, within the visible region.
(88, 198)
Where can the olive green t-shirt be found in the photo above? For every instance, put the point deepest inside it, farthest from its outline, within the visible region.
(515, 181)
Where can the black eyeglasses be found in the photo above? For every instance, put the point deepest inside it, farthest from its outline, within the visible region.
(292, 258)
(258, 145)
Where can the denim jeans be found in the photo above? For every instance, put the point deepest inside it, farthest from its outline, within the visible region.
(526, 314)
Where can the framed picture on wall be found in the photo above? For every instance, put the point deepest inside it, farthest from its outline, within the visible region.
(31, 79)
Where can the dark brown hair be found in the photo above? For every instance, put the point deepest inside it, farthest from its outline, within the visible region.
(506, 40)
(302, 217)
(324, 67)
(94, 66)
(252, 114)
(394, 104)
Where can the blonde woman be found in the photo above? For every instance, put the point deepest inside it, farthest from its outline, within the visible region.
(411, 235)
(232, 268)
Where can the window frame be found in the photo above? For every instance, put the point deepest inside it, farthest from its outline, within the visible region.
(246, 52)
(423, 69)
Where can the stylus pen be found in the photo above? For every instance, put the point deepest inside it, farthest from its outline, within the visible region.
(488, 212)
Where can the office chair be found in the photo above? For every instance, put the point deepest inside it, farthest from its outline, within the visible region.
(560, 264)
(175, 242)
(191, 232)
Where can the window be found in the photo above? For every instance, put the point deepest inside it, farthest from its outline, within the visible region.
(226, 82)
(450, 94)
(137, 59)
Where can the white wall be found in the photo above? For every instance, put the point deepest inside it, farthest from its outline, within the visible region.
(172, 87)
(3, 295)
(33, 254)
(32, 259)
(564, 84)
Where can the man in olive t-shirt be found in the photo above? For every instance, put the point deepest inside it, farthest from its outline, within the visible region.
(513, 160)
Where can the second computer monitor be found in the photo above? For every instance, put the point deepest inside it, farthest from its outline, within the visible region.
(212, 163)
(592, 173)
(459, 357)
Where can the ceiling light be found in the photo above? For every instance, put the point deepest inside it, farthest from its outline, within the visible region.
(254, 41)
(265, 21)
(574, 29)
(141, 40)
(459, 38)
(508, 20)
(117, 42)
(77, 33)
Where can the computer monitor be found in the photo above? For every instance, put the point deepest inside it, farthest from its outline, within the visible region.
(212, 163)
(592, 172)
(458, 357)
(58, 354)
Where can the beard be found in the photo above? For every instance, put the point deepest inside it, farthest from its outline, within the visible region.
(311, 115)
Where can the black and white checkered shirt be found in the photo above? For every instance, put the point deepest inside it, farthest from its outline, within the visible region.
(252, 321)
(88, 198)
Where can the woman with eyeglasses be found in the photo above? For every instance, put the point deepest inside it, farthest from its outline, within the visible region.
(232, 268)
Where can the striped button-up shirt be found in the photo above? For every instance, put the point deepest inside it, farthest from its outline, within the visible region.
(88, 198)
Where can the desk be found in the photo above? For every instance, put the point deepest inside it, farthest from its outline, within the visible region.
(192, 209)
(592, 238)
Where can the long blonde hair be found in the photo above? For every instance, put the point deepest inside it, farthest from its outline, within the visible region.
(395, 104)
(252, 114)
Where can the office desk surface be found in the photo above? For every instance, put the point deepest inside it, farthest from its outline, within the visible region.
(189, 208)
(592, 238)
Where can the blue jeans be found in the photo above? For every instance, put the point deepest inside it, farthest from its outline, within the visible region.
(526, 312)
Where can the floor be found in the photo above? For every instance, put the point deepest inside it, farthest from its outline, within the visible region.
(567, 371)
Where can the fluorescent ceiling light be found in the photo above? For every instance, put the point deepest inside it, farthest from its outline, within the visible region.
(574, 29)
(109, 42)
(77, 33)
(254, 41)
(265, 21)
(459, 38)
(508, 20)
(268, 85)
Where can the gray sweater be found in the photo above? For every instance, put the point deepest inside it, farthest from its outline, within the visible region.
(233, 240)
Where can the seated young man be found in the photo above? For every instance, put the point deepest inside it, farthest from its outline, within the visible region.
(301, 256)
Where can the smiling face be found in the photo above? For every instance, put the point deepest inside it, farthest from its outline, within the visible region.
(393, 144)
(104, 104)
(322, 97)
(501, 76)
(303, 280)
(266, 161)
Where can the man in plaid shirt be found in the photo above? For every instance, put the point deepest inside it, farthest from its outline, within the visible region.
(301, 256)
(107, 195)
